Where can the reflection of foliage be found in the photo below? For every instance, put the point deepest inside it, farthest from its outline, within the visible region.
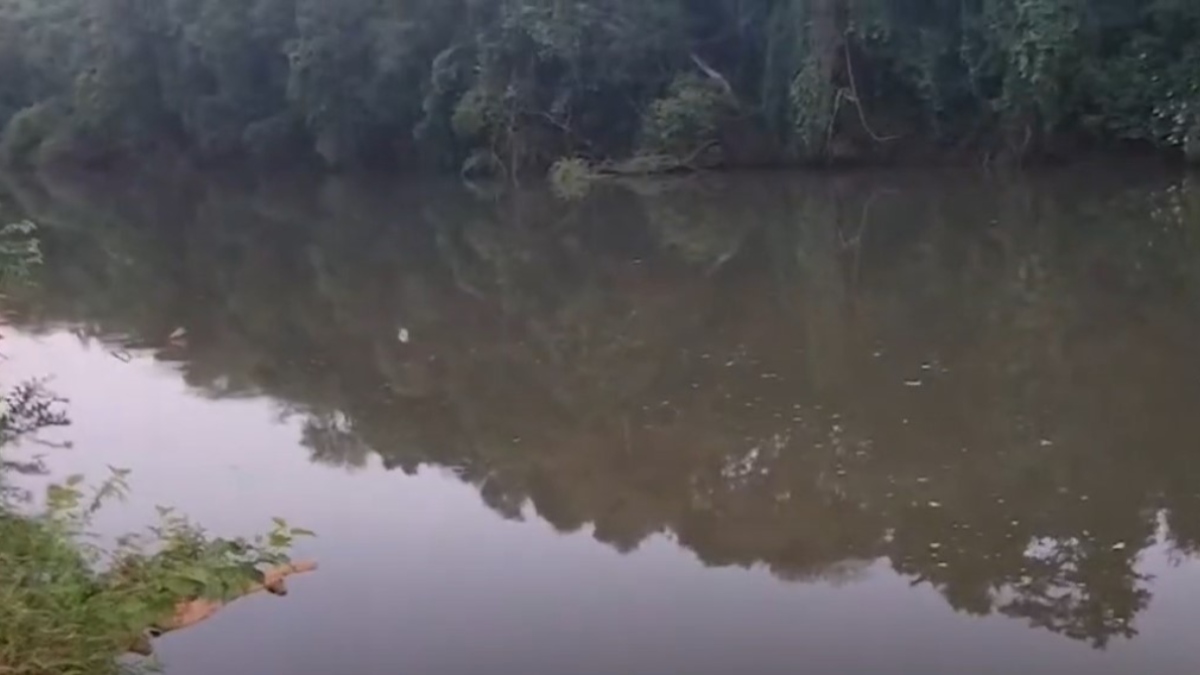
(967, 383)
(333, 442)
(1071, 590)
(700, 221)
(19, 251)
(26, 410)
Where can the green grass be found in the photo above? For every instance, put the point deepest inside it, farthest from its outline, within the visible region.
(69, 606)
(52, 619)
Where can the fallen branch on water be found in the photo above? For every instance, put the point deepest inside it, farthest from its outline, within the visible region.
(192, 612)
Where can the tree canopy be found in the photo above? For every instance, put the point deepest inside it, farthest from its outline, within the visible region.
(515, 84)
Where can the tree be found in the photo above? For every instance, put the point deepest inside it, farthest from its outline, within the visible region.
(518, 84)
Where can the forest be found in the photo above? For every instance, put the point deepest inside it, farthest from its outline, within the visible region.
(506, 86)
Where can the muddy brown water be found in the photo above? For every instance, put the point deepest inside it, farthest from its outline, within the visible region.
(875, 423)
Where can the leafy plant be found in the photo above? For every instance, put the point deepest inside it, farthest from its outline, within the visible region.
(70, 605)
(571, 178)
(688, 117)
(19, 251)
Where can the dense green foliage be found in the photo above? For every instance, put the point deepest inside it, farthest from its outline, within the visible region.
(503, 84)
(73, 608)
(19, 252)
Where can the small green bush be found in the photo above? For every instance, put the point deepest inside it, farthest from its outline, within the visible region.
(687, 118)
(19, 252)
(571, 178)
(67, 606)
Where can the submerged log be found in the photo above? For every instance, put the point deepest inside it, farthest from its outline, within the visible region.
(191, 612)
(650, 165)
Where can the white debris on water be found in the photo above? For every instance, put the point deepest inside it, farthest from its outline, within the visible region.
(1119, 546)
(935, 505)
(913, 383)
(403, 336)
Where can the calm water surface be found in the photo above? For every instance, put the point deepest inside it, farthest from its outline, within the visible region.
(767, 424)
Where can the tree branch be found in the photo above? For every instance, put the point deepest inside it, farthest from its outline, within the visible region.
(191, 612)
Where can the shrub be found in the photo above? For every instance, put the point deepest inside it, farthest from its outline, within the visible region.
(571, 178)
(688, 118)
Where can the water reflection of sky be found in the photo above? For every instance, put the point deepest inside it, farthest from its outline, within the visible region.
(909, 423)
(420, 577)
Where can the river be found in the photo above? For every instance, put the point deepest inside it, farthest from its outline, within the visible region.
(925, 423)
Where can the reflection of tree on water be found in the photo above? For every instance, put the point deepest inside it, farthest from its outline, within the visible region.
(331, 438)
(987, 388)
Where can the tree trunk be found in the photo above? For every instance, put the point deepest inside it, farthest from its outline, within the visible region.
(192, 612)
(826, 33)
